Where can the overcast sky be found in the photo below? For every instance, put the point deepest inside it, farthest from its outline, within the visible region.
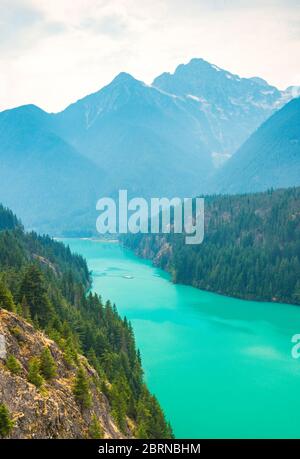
(53, 52)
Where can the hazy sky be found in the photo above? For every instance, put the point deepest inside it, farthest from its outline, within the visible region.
(53, 52)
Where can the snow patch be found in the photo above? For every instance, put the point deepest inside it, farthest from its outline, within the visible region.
(190, 96)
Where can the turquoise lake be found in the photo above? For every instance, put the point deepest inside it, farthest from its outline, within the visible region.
(220, 367)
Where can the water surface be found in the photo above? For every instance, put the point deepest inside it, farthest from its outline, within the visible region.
(220, 367)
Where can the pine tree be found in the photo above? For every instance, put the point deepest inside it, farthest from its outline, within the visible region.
(6, 423)
(34, 291)
(6, 299)
(48, 365)
(34, 375)
(119, 396)
(81, 389)
(25, 309)
(95, 429)
(13, 365)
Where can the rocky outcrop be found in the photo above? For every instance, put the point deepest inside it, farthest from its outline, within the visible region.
(50, 412)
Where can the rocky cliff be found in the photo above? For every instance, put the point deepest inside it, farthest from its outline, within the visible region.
(51, 411)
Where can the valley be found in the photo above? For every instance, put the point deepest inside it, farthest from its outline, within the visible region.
(152, 140)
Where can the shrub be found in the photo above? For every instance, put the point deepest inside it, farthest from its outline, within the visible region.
(95, 430)
(34, 375)
(6, 423)
(47, 364)
(13, 365)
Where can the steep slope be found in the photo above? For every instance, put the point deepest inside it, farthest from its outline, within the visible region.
(53, 412)
(50, 321)
(234, 107)
(42, 177)
(145, 141)
(270, 158)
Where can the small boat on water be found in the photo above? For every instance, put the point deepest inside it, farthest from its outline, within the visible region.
(127, 276)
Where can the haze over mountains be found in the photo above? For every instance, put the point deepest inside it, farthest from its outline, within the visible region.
(144, 139)
(270, 158)
(42, 176)
(159, 140)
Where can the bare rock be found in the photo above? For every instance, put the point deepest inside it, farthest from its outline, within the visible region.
(51, 412)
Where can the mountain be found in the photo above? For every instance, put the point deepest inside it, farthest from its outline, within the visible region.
(43, 177)
(270, 158)
(143, 139)
(233, 106)
(69, 366)
(251, 247)
(159, 140)
(54, 167)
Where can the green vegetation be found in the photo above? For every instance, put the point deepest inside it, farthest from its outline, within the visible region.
(17, 333)
(47, 285)
(47, 365)
(81, 389)
(6, 299)
(251, 247)
(95, 430)
(6, 423)
(34, 372)
(13, 365)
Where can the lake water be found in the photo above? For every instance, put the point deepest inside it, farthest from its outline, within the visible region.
(220, 367)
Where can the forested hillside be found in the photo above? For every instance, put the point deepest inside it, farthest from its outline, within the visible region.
(251, 247)
(43, 283)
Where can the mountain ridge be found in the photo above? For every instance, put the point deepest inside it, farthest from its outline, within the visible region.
(234, 106)
(154, 140)
(270, 158)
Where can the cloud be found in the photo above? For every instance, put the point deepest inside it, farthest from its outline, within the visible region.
(64, 49)
(112, 25)
(21, 25)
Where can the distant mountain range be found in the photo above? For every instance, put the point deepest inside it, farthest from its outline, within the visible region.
(42, 176)
(233, 107)
(144, 139)
(158, 140)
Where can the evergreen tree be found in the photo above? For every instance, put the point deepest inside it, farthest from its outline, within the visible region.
(119, 397)
(25, 309)
(251, 248)
(6, 299)
(34, 291)
(81, 389)
(34, 375)
(95, 429)
(6, 423)
(13, 364)
(52, 296)
(47, 365)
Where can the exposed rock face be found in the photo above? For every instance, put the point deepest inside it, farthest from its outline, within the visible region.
(2, 347)
(51, 412)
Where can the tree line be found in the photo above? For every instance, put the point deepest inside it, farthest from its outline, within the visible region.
(42, 281)
(251, 247)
